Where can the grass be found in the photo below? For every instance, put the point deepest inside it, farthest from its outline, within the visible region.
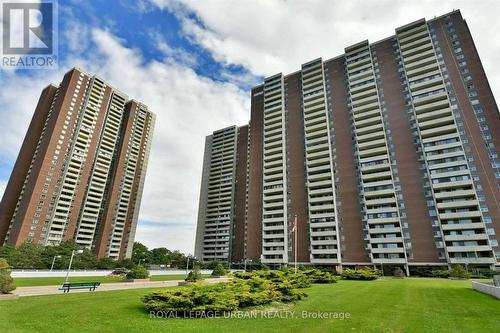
(48, 281)
(385, 305)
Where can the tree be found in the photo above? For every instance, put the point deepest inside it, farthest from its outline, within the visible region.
(105, 263)
(458, 272)
(6, 281)
(85, 260)
(28, 255)
(6, 252)
(140, 252)
(126, 263)
(160, 256)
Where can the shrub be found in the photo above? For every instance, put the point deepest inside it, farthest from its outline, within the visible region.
(361, 274)
(318, 276)
(194, 275)
(219, 270)
(245, 290)
(458, 272)
(224, 297)
(138, 272)
(441, 273)
(398, 273)
(6, 281)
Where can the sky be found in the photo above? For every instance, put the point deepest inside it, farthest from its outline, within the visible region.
(193, 63)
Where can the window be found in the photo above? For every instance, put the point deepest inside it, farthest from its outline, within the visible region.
(478, 109)
(472, 93)
(474, 101)
(490, 231)
(493, 242)
(483, 127)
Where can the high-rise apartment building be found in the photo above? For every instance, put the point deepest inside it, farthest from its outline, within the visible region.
(81, 169)
(387, 154)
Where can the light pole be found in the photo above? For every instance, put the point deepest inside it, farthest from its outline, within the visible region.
(70, 262)
(141, 260)
(53, 262)
(187, 265)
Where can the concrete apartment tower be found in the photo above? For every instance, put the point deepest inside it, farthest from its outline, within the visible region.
(387, 155)
(81, 169)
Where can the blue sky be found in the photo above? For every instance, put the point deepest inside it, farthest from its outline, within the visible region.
(193, 63)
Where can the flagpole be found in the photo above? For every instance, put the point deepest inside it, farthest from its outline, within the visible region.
(295, 247)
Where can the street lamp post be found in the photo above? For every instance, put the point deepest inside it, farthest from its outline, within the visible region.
(54, 261)
(187, 267)
(71, 262)
(187, 264)
(141, 260)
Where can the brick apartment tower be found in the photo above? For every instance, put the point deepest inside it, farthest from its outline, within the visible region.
(81, 169)
(387, 154)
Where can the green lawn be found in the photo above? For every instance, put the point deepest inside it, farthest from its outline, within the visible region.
(385, 305)
(48, 281)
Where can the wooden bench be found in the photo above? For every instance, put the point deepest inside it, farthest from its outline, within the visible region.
(67, 286)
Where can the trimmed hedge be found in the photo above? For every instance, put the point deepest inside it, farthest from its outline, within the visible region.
(244, 290)
(365, 274)
(219, 270)
(194, 275)
(138, 272)
(222, 297)
(398, 273)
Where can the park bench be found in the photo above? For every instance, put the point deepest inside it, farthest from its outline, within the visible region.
(67, 286)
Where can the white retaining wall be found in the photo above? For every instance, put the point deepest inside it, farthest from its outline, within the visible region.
(486, 288)
(17, 273)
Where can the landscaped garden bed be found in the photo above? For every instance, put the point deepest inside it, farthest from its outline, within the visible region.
(244, 290)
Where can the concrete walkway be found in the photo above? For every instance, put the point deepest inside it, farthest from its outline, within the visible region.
(51, 290)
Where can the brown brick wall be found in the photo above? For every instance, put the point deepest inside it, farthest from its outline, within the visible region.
(296, 167)
(254, 213)
(419, 222)
(21, 167)
(477, 144)
(353, 244)
(238, 234)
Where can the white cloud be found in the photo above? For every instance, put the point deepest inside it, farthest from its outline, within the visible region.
(159, 235)
(188, 107)
(269, 37)
(3, 184)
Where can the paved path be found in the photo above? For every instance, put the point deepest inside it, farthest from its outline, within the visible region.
(51, 290)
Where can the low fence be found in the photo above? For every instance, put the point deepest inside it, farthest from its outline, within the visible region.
(18, 273)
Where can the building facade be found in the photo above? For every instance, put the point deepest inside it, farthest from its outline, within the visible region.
(386, 155)
(81, 169)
